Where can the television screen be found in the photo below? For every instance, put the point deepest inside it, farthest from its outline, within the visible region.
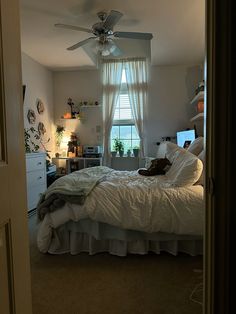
(185, 138)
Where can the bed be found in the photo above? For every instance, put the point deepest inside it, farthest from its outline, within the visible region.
(123, 212)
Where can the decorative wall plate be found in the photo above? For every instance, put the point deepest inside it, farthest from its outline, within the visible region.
(31, 116)
(40, 106)
(41, 128)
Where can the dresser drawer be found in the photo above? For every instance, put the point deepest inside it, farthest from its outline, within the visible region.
(33, 195)
(36, 177)
(35, 163)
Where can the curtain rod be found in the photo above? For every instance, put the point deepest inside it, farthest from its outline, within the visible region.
(124, 59)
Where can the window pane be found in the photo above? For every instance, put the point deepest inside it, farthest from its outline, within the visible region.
(135, 143)
(112, 145)
(115, 131)
(125, 132)
(134, 133)
(127, 145)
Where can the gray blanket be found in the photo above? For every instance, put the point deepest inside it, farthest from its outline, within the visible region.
(72, 188)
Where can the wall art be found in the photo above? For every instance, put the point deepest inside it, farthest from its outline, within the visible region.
(41, 128)
(40, 106)
(31, 116)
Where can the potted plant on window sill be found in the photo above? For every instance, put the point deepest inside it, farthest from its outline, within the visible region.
(119, 147)
(113, 153)
(136, 150)
(129, 152)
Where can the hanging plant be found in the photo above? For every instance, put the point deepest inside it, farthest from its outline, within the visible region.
(59, 134)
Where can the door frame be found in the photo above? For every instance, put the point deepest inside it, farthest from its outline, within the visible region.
(220, 216)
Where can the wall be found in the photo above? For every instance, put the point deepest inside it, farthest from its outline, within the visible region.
(80, 86)
(170, 90)
(39, 85)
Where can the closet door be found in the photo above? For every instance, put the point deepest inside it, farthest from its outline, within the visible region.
(15, 296)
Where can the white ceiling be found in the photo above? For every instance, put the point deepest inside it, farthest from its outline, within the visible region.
(178, 28)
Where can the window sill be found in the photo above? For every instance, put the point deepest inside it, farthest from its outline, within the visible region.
(125, 157)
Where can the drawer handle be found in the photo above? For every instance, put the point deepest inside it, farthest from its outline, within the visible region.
(39, 163)
(39, 178)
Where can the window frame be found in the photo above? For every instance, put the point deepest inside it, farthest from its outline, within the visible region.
(124, 122)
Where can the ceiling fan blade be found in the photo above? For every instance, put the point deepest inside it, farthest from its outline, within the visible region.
(112, 19)
(81, 43)
(76, 28)
(133, 35)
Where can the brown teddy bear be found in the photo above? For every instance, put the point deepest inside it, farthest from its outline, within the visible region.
(158, 167)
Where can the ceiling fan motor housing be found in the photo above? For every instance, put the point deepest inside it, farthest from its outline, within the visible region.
(99, 30)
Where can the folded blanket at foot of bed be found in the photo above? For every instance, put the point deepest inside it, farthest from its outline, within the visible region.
(73, 188)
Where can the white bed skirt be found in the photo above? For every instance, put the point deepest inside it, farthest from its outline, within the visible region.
(94, 237)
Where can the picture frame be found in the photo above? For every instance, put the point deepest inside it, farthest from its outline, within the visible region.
(187, 144)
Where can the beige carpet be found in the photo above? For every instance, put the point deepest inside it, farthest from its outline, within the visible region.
(83, 284)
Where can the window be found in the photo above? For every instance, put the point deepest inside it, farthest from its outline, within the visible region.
(123, 124)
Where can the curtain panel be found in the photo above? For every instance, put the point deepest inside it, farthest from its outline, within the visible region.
(136, 77)
(111, 78)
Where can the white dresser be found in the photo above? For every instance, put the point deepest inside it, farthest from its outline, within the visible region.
(36, 177)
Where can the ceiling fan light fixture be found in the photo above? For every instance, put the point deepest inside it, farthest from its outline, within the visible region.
(105, 48)
(105, 53)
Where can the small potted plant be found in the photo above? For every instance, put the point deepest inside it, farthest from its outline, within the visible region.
(136, 151)
(119, 147)
(129, 152)
(113, 153)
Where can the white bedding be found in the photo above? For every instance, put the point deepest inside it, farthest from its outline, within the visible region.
(130, 201)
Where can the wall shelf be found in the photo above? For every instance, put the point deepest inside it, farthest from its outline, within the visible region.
(91, 106)
(199, 96)
(75, 119)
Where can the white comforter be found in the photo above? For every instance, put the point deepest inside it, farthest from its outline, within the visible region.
(130, 201)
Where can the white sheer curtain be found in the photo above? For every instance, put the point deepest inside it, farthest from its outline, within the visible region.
(136, 76)
(111, 78)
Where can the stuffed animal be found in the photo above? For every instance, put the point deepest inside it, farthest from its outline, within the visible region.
(159, 166)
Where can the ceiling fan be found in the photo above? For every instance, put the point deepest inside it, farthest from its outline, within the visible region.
(104, 34)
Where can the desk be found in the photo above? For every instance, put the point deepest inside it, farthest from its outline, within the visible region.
(77, 163)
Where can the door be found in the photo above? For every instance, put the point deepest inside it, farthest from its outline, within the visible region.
(15, 287)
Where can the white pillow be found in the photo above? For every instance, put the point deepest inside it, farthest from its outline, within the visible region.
(201, 156)
(185, 170)
(165, 148)
(196, 146)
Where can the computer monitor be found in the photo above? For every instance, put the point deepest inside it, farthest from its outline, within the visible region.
(185, 138)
